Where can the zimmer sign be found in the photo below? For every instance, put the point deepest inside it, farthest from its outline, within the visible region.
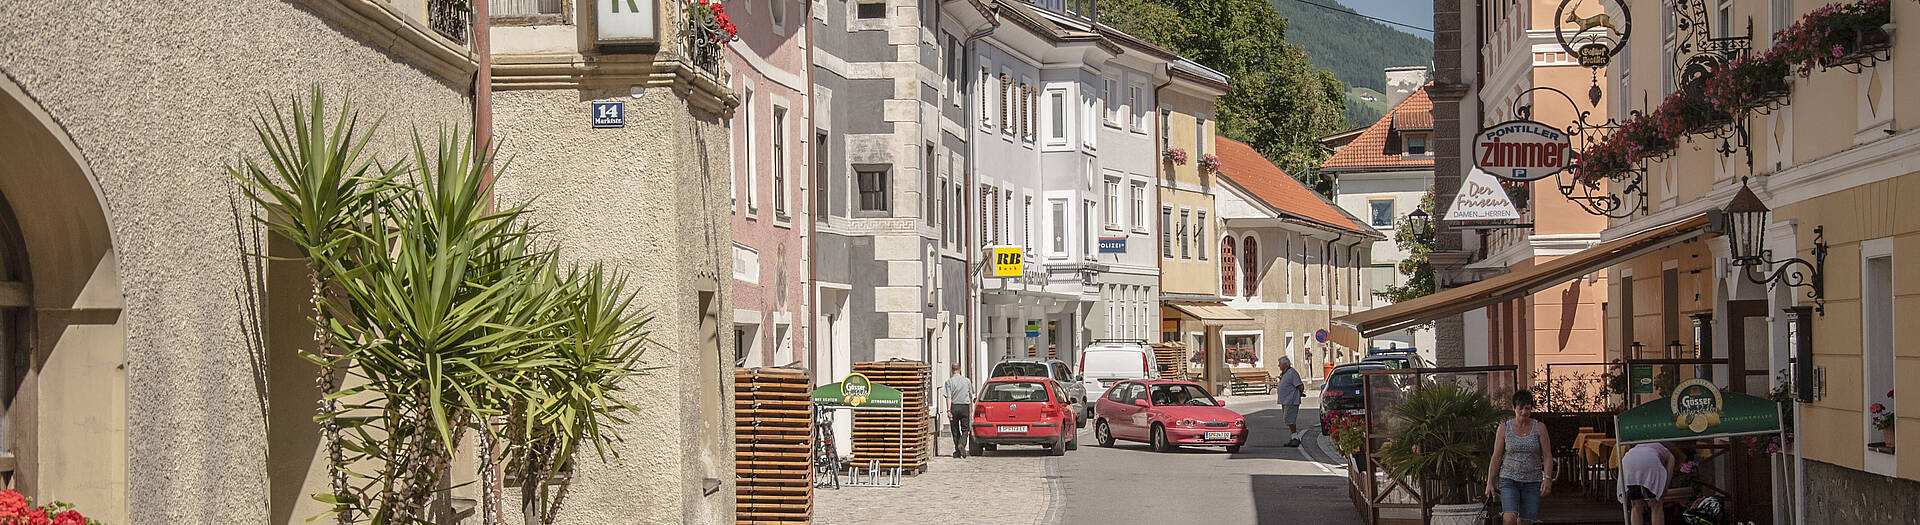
(1521, 150)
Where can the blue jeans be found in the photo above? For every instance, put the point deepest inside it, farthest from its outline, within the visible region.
(1520, 497)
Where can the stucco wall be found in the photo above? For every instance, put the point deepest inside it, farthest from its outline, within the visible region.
(156, 108)
(649, 199)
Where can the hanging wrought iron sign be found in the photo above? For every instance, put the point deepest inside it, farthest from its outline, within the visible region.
(1521, 150)
(1592, 32)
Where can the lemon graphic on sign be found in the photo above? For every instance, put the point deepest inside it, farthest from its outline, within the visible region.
(1696, 405)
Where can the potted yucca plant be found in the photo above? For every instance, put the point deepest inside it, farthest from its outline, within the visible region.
(1442, 441)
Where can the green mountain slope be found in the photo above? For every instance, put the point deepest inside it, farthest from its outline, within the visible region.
(1355, 49)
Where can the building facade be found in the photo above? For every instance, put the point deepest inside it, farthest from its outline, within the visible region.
(1382, 175)
(137, 358)
(772, 208)
(1191, 312)
(1268, 218)
(647, 197)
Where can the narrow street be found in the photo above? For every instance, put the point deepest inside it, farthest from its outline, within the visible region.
(1263, 483)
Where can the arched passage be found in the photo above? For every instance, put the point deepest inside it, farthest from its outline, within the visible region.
(60, 299)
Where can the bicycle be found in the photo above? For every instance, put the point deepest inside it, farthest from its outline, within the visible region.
(826, 460)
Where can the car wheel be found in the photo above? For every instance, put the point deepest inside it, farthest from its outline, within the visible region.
(1073, 439)
(1233, 449)
(1059, 446)
(1160, 443)
(1102, 434)
(976, 449)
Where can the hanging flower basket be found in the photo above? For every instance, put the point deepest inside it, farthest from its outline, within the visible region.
(1210, 162)
(708, 31)
(1836, 35)
(1177, 156)
(1749, 83)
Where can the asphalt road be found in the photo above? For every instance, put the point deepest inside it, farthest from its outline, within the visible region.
(1264, 483)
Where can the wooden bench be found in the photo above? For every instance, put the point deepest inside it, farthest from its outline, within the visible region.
(1250, 382)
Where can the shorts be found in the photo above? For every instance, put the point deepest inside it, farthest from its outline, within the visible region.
(1636, 492)
(1292, 414)
(1521, 498)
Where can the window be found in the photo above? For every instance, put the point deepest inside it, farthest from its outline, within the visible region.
(1112, 106)
(1138, 107)
(874, 196)
(550, 11)
(946, 224)
(1140, 207)
(986, 100)
(1879, 332)
(1669, 39)
(779, 159)
(1247, 345)
(1779, 15)
(1023, 93)
(958, 204)
(1186, 252)
(1006, 223)
(992, 195)
(1200, 137)
(952, 70)
(1033, 115)
(1227, 267)
(1006, 103)
(822, 196)
(926, 186)
(1090, 239)
(1722, 18)
(778, 8)
(1381, 212)
(1200, 239)
(1111, 214)
(871, 10)
(1250, 266)
(986, 219)
(1026, 223)
(1166, 232)
(1057, 109)
(1059, 227)
(752, 182)
(1416, 144)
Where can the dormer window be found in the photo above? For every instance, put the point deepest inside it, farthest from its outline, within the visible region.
(1414, 143)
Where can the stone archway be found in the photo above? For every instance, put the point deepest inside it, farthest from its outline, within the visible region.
(66, 418)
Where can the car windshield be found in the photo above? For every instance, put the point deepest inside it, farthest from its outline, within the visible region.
(1395, 362)
(1113, 361)
(1020, 369)
(1178, 395)
(1014, 392)
(1346, 380)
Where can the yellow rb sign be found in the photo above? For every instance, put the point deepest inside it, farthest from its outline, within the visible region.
(1008, 261)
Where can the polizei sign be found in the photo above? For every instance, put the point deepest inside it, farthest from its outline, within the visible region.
(1521, 150)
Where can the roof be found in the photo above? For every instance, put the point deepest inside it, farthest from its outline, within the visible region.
(1379, 145)
(1348, 329)
(1246, 168)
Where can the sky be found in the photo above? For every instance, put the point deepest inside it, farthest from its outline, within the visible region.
(1418, 13)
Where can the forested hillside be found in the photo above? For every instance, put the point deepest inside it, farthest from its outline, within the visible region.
(1355, 49)
(1279, 102)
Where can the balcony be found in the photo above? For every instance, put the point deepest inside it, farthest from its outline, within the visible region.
(449, 18)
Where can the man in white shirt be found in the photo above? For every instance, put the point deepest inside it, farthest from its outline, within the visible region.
(959, 392)
(1291, 390)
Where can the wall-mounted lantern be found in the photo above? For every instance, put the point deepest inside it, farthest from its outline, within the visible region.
(1746, 228)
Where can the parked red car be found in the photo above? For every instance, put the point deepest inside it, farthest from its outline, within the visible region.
(1023, 411)
(1166, 414)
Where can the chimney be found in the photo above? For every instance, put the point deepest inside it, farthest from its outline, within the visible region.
(1403, 81)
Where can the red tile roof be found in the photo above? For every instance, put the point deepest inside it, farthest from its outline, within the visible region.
(1378, 146)
(1244, 167)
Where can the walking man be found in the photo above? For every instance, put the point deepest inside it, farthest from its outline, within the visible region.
(1291, 390)
(959, 391)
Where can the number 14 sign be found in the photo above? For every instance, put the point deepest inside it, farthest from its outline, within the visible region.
(609, 115)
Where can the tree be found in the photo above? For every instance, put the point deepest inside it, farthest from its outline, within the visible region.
(1417, 242)
(449, 314)
(1278, 102)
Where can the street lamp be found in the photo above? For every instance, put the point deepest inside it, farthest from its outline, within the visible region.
(1746, 225)
(1420, 221)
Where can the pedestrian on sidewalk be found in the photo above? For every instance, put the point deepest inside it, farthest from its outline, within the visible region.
(1291, 389)
(959, 392)
(1522, 463)
(1644, 472)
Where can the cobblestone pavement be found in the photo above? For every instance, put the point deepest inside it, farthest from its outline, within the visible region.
(1007, 486)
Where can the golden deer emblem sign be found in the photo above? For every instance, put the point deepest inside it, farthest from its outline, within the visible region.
(1599, 20)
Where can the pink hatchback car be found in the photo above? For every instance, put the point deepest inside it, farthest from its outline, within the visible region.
(1166, 414)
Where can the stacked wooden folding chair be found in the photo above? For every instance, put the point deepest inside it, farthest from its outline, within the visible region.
(773, 432)
(896, 439)
(1172, 358)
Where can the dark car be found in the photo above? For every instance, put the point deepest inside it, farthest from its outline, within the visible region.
(1342, 396)
(1023, 411)
(1395, 358)
(1049, 368)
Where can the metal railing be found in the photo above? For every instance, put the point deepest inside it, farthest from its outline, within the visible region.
(449, 18)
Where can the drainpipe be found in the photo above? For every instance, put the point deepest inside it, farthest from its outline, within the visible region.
(813, 199)
(1326, 283)
(973, 127)
(482, 89)
(1159, 141)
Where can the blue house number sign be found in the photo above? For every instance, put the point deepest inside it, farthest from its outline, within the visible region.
(609, 114)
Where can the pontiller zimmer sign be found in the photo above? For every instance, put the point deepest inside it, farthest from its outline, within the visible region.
(1521, 150)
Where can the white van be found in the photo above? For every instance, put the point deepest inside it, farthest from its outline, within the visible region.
(1106, 362)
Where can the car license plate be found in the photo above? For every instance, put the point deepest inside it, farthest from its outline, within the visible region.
(1015, 429)
(1108, 383)
(1219, 436)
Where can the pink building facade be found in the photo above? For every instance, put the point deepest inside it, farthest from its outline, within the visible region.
(772, 211)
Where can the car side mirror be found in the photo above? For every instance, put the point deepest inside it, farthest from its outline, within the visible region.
(1219, 403)
(1080, 378)
(1142, 403)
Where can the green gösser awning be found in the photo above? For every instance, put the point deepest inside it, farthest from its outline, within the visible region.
(1698, 410)
(858, 392)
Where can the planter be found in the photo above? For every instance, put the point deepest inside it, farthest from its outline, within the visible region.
(1870, 44)
(1462, 514)
(1886, 436)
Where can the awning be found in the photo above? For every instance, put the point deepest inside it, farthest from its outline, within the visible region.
(1208, 312)
(1348, 330)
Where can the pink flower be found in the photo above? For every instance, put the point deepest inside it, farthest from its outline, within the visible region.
(1687, 468)
(1836, 51)
(1877, 408)
(1889, 394)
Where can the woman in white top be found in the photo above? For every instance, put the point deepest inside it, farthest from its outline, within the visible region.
(1644, 472)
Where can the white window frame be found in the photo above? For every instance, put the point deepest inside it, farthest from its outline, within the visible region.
(778, 154)
(1110, 213)
(753, 150)
(777, 10)
(1393, 208)
(986, 89)
(1057, 210)
(1137, 104)
(1185, 240)
(1140, 218)
(1878, 348)
(1200, 238)
(1058, 119)
(1110, 105)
